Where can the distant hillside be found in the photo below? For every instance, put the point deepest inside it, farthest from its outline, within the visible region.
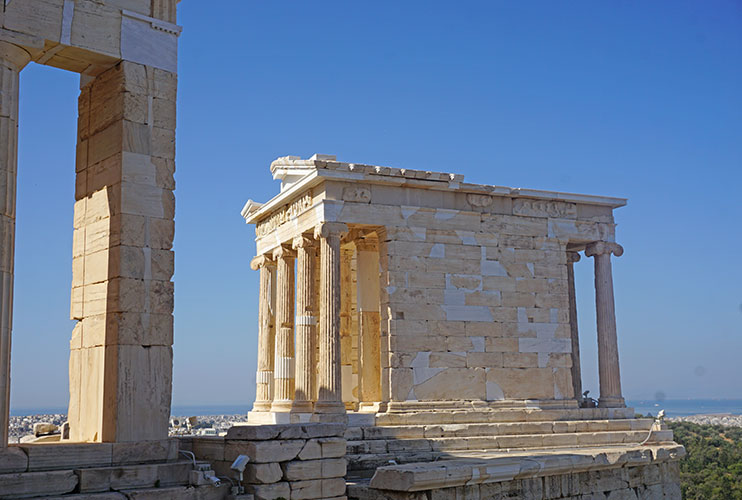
(712, 470)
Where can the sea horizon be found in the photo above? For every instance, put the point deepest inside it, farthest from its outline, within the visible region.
(672, 407)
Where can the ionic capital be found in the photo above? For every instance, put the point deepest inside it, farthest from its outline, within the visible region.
(329, 229)
(367, 245)
(603, 247)
(302, 241)
(261, 260)
(283, 252)
(573, 257)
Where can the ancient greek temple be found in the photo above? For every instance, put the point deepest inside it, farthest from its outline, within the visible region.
(388, 290)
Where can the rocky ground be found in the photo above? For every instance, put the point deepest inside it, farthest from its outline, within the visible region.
(724, 420)
(21, 428)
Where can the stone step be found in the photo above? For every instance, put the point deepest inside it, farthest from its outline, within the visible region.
(501, 415)
(363, 455)
(95, 482)
(122, 477)
(490, 429)
(180, 493)
(497, 467)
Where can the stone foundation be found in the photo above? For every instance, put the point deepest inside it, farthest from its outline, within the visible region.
(647, 482)
(291, 461)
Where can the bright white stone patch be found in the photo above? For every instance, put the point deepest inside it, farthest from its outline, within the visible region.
(419, 232)
(543, 359)
(478, 343)
(421, 360)
(554, 315)
(454, 298)
(494, 392)
(420, 375)
(467, 313)
(562, 228)
(493, 268)
(467, 237)
(544, 345)
(445, 214)
(407, 211)
(438, 251)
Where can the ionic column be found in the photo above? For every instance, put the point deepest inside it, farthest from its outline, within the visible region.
(12, 60)
(266, 334)
(306, 321)
(369, 323)
(283, 376)
(573, 257)
(608, 367)
(329, 405)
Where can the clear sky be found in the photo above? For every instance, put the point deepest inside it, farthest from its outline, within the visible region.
(634, 99)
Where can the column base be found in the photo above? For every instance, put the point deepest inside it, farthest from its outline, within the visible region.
(302, 407)
(611, 402)
(281, 405)
(261, 406)
(365, 407)
(330, 412)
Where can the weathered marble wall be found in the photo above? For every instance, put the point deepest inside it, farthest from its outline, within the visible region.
(474, 299)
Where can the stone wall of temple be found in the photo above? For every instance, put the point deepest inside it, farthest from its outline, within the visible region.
(475, 302)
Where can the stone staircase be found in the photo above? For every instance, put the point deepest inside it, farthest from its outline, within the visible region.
(434, 436)
(101, 471)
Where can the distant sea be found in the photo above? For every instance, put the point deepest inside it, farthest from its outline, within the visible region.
(672, 407)
(685, 407)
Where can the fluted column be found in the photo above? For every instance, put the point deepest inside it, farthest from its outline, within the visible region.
(306, 325)
(369, 323)
(573, 257)
(12, 60)
(608, 367)
(347, 252)
(329, 405)
(266, 333)
(283, 380)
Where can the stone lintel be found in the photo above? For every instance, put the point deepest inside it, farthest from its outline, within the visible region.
(89, 38)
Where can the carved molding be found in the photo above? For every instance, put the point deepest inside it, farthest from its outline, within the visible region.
(573, 257)
(283, 252)
(330, 229)
(479, 200)
(261, 260)
(543, 208)
(285, 214)
(302, 241)
(358, 194)
(603, 247)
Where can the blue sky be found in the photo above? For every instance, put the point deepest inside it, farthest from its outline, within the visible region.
(633, 99)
